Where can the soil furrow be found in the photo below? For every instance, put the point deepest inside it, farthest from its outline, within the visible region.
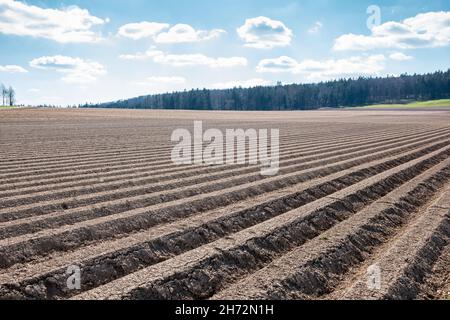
(82, 180)
(150, 152)
(18, 203)
(16, 200)
(315, 269)
(137, 218)
(15, 177)
(201, 273)
(410, 258)
(207, 226)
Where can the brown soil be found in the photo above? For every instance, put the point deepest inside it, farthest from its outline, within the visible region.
(97, 189)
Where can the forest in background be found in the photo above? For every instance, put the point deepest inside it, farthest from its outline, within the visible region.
(331, 94)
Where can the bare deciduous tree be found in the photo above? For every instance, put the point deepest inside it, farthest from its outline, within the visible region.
(4, 94)
(11, 96)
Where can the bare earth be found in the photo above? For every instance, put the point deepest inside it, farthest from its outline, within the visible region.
(97, 189)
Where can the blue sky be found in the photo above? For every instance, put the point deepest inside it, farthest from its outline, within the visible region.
(70, 52)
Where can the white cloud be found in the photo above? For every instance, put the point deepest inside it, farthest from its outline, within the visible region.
(142, 30)
(149, 54)
(315, 28)
(326, 69)
(182, 60)
(155, 81)
(34, 90)
(265, 33)
(75, 70)
(426, 30)
(135, 56)
(400, 56)
(71, 24)
(278, 65)
(12, 69)
(181, 33)
(241, 83)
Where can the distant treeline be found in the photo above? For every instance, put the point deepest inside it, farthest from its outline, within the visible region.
(331, 94)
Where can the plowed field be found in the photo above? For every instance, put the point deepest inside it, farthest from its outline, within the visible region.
(97, 189)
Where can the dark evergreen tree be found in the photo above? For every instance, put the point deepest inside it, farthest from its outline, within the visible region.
(331, 94)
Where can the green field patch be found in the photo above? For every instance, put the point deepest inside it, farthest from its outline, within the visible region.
(418, 104)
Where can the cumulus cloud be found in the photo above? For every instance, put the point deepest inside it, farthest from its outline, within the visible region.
(134, 56)
(142, 30)
(315, 28)
(241, 83)
(71, 24)
(154, 81)
(426, 30)
(181, 33)
(278, 65)
(182, 60)
(149, 54)
(400, 56)
(12, 69)
(179, 60)
(325, 69)
(75, 70)
(265, 33)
